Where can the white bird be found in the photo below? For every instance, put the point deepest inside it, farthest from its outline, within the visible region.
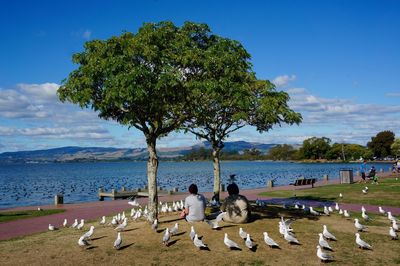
(323, 243)
(340, 211)
(242, 233)
(166, 237)
(392, 233)
(121, 227)
(364, 191)
(248, 242)
(51, 227)
(103, 220)
(341, 195)
(313, 212)
(359, 226)
(39, 209)
(337, 206)
(296, 206)
(395, 226)
(133, 203)
(326, 211)
(330, 209)
(346, 214)
(364, 216)
(154, 226)
(361, 243)
(89, 233)
(192, 233)
(118, 241)
(366, 188)
(215, 224)
(75, 223)
(322, 255)
(381, 211)
(198, 242)
(80, 226)
(391, 217)
(229, 243)
(174, 230)
(290, 238)
(65, 223)
(269, 241)
(363, 209)
(82, 242)
(327, 234)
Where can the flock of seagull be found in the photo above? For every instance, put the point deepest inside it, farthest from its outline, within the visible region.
(120, 222)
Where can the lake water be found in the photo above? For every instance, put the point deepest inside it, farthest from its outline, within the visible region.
(36, 184)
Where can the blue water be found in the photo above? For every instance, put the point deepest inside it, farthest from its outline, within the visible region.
(36, 184)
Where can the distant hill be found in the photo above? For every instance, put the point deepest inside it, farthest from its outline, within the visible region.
(70, 154)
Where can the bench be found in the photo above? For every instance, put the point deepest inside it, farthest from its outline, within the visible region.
(304, 182)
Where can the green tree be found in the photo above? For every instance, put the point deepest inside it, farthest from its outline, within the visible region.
(281, 152)
(140, 80)
(345, 152)
(230, 98)
(396, 147)
(381, 143)
(315, 148)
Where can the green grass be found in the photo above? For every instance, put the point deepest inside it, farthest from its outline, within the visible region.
(386, 193)
(16, 215)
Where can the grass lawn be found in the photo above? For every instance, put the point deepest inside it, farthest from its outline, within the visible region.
(142, 246)
(16, 215)
(386, 193)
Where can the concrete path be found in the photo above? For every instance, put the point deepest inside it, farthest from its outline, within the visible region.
(94, 210)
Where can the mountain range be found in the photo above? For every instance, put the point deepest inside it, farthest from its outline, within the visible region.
(70, 154)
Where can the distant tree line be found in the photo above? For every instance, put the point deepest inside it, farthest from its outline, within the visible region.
(383, 145)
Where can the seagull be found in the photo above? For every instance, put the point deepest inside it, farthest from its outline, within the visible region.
(364, 191)
(269, 241)
(242, 233)
(103, 220)
(65, 223)
(363, 209)
(134, 203)
(313, 212)
(229, 243)
(82, 242)
(340, 211)
(326, 211)
(330, 209)
(340, 195)
(174, 229)
(328, 235)
(75, 223)
(192, 233)
(392, 233)
(51, 227)
(365, 216)
(361, 243)
(248, 242)
(154, 226)
(359, 226)
(391, 217)
(166, 237)
(395, 226)
(322, 255)
(39, 209)
(337, 206)
(118, 241)
(198, 242)
(80, 226)
(89, 233)
(214, 224)
(381, 211)
(366, 188)
(346, 214)
(122, 225)
(323, 243)
(290, 238)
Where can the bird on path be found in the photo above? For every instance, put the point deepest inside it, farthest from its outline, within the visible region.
(118, 241)
(359, 226)
(327, 234)
(198, 242)
(229, 243)
(166, 237)
(392, 233)
(361, 243)
(269, 241)
(323, 243)
(322, 255)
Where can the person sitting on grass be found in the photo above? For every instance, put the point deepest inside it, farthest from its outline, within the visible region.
(235, 206)
(195, 205)
(372, 173)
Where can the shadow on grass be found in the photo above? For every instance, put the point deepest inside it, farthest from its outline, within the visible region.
(125, 246)
(97, 238)
(276, 212)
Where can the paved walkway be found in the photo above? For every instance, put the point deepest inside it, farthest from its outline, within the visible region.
(94, 210)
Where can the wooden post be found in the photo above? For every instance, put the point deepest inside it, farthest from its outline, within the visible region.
(123, 189)
(113, 193)
(270, 183)
(58, 199)
(101, 198)
(326, 178)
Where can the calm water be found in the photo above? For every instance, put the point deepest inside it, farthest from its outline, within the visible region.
(36, 184)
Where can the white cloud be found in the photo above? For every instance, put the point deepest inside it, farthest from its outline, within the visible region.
(393, 94)
(282, 81)
(87, 34)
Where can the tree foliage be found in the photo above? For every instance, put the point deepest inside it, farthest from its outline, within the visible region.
(281, 152)
(380, 145)
(315, 148)
(396, 147)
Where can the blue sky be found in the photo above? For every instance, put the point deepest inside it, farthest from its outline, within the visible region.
(338, 60)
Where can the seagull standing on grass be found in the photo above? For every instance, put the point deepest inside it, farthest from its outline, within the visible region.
(322, 255)
(391, 217)
(198, 242)
(80, 226)
(327, 234)
(395, 226)
(364, 215)
(248, 242)
(89, 233)
(75, 223)
(242, 233)
(82, 242)
(174, 230)
(166, 237)
(269, 241)
(121, 227)
(154, 226)
(118, 241)
(326, 211)
(381, 211)
(346, 214)
(340, 195)
(392, 233)
(290, 238)
(323, 243)
(313, 212)
(192, 233)
(51, 227)
(65, 223)
(229, 243)
(103, 220)
(337, 206)
(361, 243)
(359, 226)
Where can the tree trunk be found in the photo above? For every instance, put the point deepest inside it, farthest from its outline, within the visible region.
(152, 165)
(217, 172)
